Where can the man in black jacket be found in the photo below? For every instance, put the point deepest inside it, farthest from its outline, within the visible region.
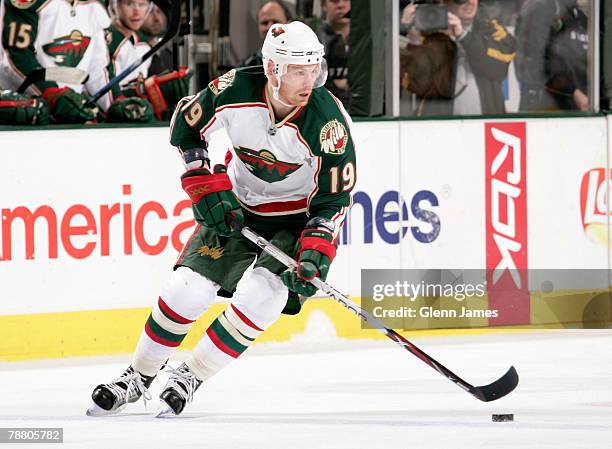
(334, 33)
(567, 68)
(538, 22)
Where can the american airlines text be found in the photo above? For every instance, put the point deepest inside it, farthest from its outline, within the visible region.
(126, 226)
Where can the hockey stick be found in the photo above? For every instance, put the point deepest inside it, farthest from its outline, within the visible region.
(172, 10)
(67, 75)
(498, 389)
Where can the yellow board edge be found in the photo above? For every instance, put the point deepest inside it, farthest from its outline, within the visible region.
(116, 331)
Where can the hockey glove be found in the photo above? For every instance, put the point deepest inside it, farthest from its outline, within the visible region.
(67, 106)
(315, 252)
(130, 110)
(164, 91)
(17, 109)
(212, 198)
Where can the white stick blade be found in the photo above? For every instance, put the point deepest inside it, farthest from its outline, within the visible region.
(67, 75)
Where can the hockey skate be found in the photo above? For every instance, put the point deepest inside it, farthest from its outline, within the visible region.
(179, 390)
(112, 397)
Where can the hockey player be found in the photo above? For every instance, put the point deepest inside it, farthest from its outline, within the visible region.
(126, 43)
(288, 177)
(65, 33)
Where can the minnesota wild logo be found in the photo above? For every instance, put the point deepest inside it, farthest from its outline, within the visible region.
(68, 50)
(277, 31)
(264, 164)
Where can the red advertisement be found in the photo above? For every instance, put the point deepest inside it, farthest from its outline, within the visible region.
(594, 204)
(506, 222)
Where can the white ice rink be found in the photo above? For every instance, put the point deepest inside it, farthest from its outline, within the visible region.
(344, 394)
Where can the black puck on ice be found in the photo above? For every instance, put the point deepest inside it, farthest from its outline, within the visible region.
(502, 418)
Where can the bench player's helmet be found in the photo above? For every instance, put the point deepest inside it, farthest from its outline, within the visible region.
(292, 44)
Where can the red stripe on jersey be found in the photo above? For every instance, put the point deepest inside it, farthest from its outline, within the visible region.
(171, 313)
(208, 125)
(160, 340)
(297, 114)
(241, 105)
(244, 319)
(219, 344)
(281, 206)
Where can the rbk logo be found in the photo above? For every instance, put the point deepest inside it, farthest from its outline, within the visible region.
(507, 202)
(264, 164)
(506, 222)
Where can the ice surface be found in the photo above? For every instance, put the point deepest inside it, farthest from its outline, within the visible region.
(327, 393)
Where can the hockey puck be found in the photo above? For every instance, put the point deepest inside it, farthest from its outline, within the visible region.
(502, 418)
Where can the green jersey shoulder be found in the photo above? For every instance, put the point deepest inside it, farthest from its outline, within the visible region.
(236, 87)
(326, 125)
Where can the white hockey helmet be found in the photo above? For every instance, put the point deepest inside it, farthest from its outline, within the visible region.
(293, 43)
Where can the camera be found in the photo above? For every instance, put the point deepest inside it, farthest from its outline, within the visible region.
(430, 17)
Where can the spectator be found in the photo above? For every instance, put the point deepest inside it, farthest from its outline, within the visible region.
(538, 22)
(458, 70)
(271, 12)
(154, 27)
(76, 39)
(334, 34)
(567, 59)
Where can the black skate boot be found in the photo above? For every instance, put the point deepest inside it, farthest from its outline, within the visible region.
(112, 397)
(178, 392)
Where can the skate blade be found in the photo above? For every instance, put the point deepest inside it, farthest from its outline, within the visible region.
(164, 411)
(96, 410)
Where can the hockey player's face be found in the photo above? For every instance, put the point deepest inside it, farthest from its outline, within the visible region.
(298, 82)
(132, 13)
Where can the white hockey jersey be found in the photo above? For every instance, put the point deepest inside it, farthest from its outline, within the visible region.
(125, 48)
(304, 164)
(50, 33)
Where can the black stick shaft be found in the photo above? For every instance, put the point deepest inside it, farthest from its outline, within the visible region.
(490, 392)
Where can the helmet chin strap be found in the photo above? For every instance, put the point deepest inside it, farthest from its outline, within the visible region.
(275, 92)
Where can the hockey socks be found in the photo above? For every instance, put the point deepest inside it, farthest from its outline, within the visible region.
(163, 333)
(227, 337)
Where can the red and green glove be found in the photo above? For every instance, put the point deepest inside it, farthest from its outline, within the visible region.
(18, 109)
(68, 106)
(212, 198)
(164, 91)
(315, 252)
(130, 110)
